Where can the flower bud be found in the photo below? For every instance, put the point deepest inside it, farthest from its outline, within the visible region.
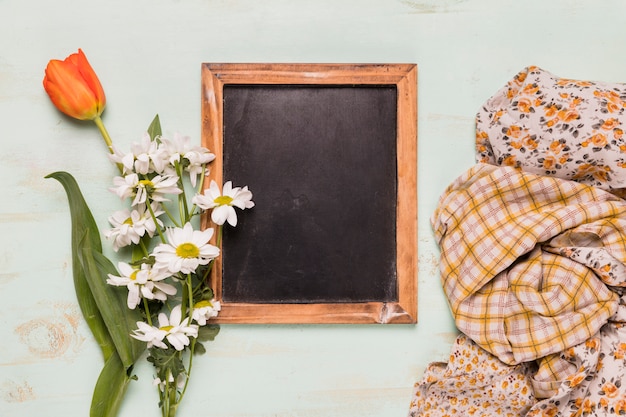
(74, 88)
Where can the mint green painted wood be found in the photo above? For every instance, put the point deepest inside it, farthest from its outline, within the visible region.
(148, 56)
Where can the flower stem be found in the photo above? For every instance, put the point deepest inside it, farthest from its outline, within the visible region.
(107, 139)
(104, 133)
(146, 308)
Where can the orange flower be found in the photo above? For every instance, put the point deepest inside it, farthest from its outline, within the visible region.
(576, 379)
(584, 407)
(612, 107)
(514, 131)
(556, 146)
(549, 162)
(509, 161)
(620, 406)
(599, 140)
(594, 343)
(551, 110)
(610, 390)
(524, 105)
(529, 142)
(610, 124)
(567, 115)
(575, 102)
(74, 88)
(530, 89)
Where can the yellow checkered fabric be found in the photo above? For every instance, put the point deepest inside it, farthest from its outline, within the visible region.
(525, 259)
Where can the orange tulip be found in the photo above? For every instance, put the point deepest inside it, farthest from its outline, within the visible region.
(74, 88)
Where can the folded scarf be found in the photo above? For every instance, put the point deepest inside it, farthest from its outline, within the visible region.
(526, 259)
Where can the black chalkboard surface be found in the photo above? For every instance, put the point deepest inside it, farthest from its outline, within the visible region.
(321, 161)
(329, 152)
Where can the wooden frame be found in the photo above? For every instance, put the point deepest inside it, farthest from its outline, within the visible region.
(404, 78)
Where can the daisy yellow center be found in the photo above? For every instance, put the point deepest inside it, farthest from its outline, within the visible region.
(133, 276)
(187, 250)
(147, 185)
(166, 328)
(203, 303)
(223, 200)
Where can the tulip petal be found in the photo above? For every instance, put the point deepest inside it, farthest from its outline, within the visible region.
(74, 88)
(90, 77)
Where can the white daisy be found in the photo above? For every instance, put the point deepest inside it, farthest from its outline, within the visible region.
(196, 160)
(129, 226)
(192, 158)
(145, 282)
(223, 203)
(186, 249)
(175, 330)
(152, 335)
(141, 190)
(204, 310)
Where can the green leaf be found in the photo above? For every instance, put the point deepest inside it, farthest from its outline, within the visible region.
(83, 223)
(166, 361)
(154, 129)
(208, 332)
(199, 349)
(111, 301)
(110, 388)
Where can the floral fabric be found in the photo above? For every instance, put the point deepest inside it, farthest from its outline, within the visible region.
(472, 383)
(548, 125)
(475, 383)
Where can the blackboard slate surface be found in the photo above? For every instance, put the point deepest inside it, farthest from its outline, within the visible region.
(326, 235)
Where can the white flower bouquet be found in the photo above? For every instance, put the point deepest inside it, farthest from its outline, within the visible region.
(167, 303)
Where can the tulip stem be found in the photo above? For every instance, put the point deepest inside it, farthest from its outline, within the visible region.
(104, 133)
(106, 137)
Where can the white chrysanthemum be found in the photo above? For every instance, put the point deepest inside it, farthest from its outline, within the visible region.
(175, 330)
(144, 157)
(145, 282)
(197, 159)
(152, 335)
(186, 249)
(191, 157)
(130, 226)
(223, 203)
(205, 310)
(155, 189)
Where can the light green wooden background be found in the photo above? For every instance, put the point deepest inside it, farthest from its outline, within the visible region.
(148, 54)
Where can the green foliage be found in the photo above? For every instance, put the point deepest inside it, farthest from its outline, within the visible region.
(154, 130)
(83, 223)
(167, 362)
(208, 333)
(111, 301)
(103, 306)
(110, 388)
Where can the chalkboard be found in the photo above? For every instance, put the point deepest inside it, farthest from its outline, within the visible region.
(329, 152)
